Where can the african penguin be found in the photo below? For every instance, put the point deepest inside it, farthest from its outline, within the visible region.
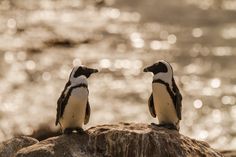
(73, 109)
(165, 101)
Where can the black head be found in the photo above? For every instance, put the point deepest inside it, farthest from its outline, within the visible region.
(158, 67)
(82, 70)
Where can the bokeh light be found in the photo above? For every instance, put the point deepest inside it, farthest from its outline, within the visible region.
(197, 104)
(197, 32)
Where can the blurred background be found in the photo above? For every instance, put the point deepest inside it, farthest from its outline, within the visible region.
(40, 41)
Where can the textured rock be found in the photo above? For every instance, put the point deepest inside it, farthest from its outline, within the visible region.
(229, 153)
(121, 140)
(10, 147)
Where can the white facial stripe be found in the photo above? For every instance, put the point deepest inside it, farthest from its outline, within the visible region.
(79, 80)
(166, 77)
(76, 81)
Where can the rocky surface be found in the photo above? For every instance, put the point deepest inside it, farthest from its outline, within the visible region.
(229, 153)
(119, 140)
(10, 147)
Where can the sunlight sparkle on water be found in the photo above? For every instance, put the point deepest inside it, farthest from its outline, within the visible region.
(128, 17)
(164, 35)
(159, 45)
(9, 57)
(64, 71)
(137, 64)
(197, 32)
(171, 39)
(229, 33)
(216, 116)
(192, 68)
(30, 65)
(234, 88)
(11, 23)
(8, 107)
(113, 13)
(21, 56)
(122, 63)
(222, 51)
(197, 104)
(44, 15)
(215, 83)
(67, 17)
(229, 5)
(155, 45)
(233, 112)
(105, 63)
(4, 5)
(203, 134)
(207, 91)
(107, 12)
(195, 50)
(228, 100)
(46, 76)
(76, 62)
(203, 4)
(137, 40)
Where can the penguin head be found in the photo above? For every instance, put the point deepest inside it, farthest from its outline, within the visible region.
(159, 67)
(82, 71)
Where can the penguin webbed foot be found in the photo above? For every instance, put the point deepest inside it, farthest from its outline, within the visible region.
(79, 131)
(68, 131)
(166, 125)
(74, 130)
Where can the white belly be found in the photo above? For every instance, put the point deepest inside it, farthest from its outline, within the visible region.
(163, 104)
(74, 112)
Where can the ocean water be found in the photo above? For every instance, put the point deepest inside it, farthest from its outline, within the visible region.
(40, 42)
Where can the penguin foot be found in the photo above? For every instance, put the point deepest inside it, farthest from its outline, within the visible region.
(80, 130)
(68, 131)
(73, 130)
(167, 126)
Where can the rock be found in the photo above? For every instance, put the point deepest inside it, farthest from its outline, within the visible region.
(62, 146)
(10, 147)
(45, 131)
(229, 153)
(121, 140)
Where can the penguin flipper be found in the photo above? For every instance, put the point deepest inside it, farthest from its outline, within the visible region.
(61, 102)
(151, 106)
(178, 105)
(87, 113)
(178, 99)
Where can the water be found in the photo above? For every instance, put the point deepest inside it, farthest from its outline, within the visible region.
(42, 40)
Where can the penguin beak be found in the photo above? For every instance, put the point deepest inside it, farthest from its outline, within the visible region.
(95, 70)
(90, 72)
(146, 69)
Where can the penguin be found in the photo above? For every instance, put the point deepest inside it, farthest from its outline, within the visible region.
(73, 109)
(165, 102)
